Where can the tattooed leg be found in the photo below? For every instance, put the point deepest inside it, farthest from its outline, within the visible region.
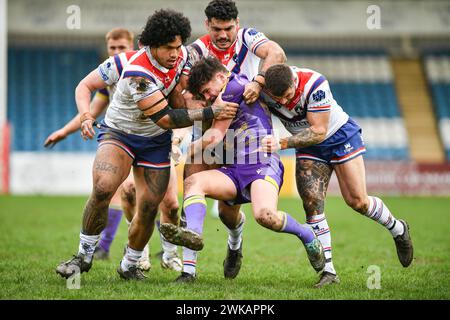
(151, 187)
(111, 167)
(312, 179)
(312, 183)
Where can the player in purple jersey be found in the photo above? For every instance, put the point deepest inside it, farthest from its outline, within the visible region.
(321, 151)
(253, 176)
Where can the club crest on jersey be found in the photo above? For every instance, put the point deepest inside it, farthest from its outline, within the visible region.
(348, 147)
(319, 95)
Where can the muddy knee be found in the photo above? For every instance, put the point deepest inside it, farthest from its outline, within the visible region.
(266, 217)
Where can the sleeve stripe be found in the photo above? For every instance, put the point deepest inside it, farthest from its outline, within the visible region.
(138, 74)
(118, 64)
(197, 48)
(319, 107)
(318, 111)
(260, 42)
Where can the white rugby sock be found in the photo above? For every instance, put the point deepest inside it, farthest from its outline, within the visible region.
(168, 248)
(380, 213)
(320, 227)
(235, 235)
(189, 260)
(87, 246)
(130, 258)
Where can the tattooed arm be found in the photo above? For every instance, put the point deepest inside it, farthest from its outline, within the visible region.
(157, 109)
(315, 134)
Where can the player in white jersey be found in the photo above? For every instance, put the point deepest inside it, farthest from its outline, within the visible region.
(241, 51)
(325, 139)
(120, 42)
(136, 133)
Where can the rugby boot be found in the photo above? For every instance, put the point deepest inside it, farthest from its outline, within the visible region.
(404, 246)
(73, 266)
(182, 236)
(316, 255)
(232, 263)
(133, 273)
(144, 262)
(171, 261)
(185, 277)
(327, 278)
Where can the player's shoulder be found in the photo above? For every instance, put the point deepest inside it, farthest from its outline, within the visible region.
(235, 88)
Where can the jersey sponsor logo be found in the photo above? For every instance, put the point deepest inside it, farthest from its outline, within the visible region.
(295, 124)
(318, 95)
(259, 171)
(103, 74)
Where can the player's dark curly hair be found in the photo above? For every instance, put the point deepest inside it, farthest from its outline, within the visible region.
(278, 79)
(163, 26)
(202, 72)
(221, 10)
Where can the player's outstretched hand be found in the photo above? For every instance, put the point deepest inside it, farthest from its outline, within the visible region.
(270, 144)
(224, 110)
(54, 138)
(251, 92)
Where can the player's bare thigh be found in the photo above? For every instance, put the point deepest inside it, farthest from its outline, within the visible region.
(351, 176)
(111, 167)
(210, 183)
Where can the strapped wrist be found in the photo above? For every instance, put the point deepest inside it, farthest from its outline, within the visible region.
(86, 116)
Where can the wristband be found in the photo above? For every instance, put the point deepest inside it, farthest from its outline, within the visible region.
(259, 83)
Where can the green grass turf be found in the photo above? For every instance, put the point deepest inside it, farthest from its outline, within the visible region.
(36, 233)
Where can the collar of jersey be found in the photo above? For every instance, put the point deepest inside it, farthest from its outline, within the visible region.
(154, 62)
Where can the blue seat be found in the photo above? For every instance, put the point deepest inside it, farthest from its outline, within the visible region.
(42, 101)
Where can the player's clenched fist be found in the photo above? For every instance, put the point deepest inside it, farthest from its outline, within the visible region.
(270, 144)
(252, 91)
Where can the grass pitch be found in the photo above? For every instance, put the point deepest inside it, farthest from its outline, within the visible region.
(37, 233)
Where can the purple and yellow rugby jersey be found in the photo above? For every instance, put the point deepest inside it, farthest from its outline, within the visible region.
(243, 140)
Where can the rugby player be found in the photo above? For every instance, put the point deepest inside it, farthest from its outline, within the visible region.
(326, 139)
(136, 132)
(119, 40)
(253, 177)
(240, 50)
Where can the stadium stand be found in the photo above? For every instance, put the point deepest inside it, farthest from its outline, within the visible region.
(437, 66)
(49, 77)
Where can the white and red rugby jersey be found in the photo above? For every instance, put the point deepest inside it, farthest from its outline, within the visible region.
(138, 78)
(111, 75)
(239, 58)
(312, 94)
